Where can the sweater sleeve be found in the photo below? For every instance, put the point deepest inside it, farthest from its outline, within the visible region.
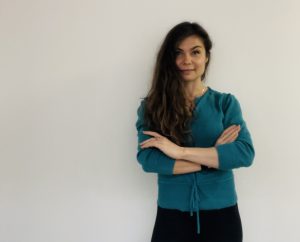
(239, 153)
(152, 159)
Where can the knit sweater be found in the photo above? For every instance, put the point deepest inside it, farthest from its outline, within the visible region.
(209, 188)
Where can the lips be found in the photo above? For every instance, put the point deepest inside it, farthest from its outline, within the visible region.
(186, 70)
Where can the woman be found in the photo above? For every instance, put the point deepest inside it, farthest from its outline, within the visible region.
(193, 137)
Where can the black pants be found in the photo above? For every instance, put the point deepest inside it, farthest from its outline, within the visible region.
(217, 225)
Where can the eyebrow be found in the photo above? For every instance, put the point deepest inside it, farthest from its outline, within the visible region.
(197, 46)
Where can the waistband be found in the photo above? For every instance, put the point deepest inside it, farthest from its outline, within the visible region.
(197, 195)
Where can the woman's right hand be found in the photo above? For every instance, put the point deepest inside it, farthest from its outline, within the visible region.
(229, 135)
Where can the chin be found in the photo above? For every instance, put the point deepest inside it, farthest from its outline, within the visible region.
(189, 79)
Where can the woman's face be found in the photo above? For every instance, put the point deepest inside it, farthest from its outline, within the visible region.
(191, 58)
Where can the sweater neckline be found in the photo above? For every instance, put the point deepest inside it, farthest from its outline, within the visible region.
(197, 99)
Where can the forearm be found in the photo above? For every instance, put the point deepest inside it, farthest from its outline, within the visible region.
(182, 167)
(202, 156)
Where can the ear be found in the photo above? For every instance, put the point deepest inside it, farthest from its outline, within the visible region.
(206, 60)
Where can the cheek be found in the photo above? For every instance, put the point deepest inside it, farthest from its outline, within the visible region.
(177, 62)
(201, 63)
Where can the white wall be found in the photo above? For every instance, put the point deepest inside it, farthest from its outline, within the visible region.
(72, 73)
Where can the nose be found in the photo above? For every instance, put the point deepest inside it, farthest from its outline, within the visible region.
(186, 59)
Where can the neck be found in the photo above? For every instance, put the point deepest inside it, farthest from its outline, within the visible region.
(194, 88)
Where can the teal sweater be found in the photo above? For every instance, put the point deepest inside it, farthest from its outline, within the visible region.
(209, 188)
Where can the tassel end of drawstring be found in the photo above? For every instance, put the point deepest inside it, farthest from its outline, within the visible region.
(198, 223)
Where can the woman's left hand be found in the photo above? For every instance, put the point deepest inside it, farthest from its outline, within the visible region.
(165, 145)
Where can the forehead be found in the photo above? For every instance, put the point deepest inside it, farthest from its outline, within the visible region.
(190, 42)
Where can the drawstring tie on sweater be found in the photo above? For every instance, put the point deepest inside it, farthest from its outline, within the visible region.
(194, 202)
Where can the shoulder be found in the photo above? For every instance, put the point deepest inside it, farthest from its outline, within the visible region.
(223, 96)
(225, 99)
(141, 107)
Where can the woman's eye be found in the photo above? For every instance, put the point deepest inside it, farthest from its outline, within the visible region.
(197, 52)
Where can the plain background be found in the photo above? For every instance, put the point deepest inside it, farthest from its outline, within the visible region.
(72, 75)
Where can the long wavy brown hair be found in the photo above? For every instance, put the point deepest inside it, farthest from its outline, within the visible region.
(168, 110)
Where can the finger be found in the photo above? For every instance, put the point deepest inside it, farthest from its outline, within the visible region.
(230, 132)
(225, 141)
(146, 141)
(229, 137)
(230, 129)
(232, 137)
(150, 143)
(155, 134)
